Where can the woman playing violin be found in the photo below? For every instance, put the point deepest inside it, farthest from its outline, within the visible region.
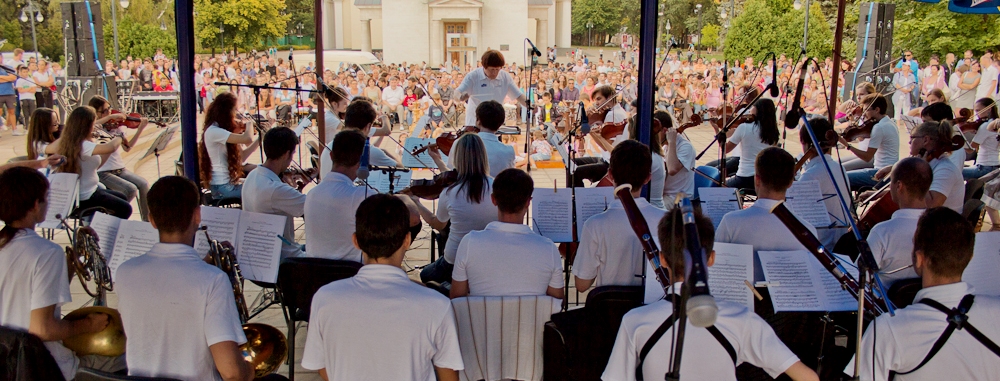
(752, 138)
(113, 173)
(220, 154)
(985, 140)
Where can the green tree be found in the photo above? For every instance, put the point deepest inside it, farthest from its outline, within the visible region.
(246, 23)
(606, 15)
(139, 32)
(932, 29)
(710, 35)
(141, 40)
(774, 26)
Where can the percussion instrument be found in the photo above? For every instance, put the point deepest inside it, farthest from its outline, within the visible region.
(161, 106)
(87, 262)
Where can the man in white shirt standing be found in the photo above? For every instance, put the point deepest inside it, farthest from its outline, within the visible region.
(488, 83)
(883, 145)
(265, 192)
(609, 253)
(392, 99)
(738, 335)
(988, 85)
(892, 241)
(199, 341)
(357, 328)
(508, 258)
(943, 316)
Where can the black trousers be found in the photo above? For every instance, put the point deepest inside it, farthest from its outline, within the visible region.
(590, 168)
(732, 165)
(114, 202)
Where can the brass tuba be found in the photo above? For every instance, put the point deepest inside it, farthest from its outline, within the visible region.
(86, 261)
(266, 347)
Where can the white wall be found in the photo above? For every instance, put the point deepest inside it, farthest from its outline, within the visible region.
(404, 22)
(505, 23)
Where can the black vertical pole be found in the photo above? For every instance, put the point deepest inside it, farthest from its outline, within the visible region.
(184, 11)
(647, 53)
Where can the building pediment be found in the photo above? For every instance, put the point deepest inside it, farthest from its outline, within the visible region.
(455, 4)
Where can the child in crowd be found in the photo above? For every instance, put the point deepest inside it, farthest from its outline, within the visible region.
(26, 92)
(435, 113)
(540, 148)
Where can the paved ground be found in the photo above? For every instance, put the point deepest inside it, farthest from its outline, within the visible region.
(419, 254)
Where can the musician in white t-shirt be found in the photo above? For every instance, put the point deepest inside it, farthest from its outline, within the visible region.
(380, 325)
(508, 258)
(713, 353)
(265, 192)
(883, 147)
(221, 155)
(113, 173)
(931, 141)
(679, 160)
(609, 253)
(593, 168)
(891, 241)
(815, 170)
(901, 346)
(360, 115)
(33, 280)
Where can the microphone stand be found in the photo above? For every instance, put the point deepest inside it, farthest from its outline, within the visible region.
(256, 93)
(391, 171)
(721, 135)
(531, 106)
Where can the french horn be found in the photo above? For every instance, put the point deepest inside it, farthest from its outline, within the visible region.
(88, 264)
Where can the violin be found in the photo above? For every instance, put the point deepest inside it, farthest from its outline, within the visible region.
(610, 131)
(859, 131)
(298, 178)
(831, 140)
(745, 118)
(881, 206)
(446, 140)
(967, 122)
(132, 121)
(430, 189)
(106, 136)
(694, 121)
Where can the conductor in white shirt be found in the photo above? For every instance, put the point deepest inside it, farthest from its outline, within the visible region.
(488, 83)
(264, 192)
(892, 241)
(900, 346)
(380, 325)
(508, 258)
(739, 334)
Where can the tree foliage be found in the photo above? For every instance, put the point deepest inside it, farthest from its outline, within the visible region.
(141, 40)
(246, 23)
(710, 35)
(932, 29)
(774, 26)
(606, 15)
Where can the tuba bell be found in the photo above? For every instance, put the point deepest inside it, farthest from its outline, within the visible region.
(266, 347)
(85, 260)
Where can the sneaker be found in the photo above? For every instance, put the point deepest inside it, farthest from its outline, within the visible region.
(20, 132)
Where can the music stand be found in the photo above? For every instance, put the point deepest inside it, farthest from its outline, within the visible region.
(160, 144)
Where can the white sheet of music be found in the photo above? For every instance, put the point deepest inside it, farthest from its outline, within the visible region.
(258, 247)
(551, 213)
(134, 238)
(716, 202)
(799, 283)
(222, 224)
(985, 264)
(591, 201)
(380, 180)
(423, 160)
(64, 189)
(106, 227)
(805, 199)
(733, 265)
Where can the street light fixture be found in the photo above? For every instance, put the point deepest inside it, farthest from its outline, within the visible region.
(797, 5)
(697, 11)
(24, 16)
(590, 27)
(31, 13)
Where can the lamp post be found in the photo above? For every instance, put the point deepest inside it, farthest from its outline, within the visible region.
(590, 27)
(697, 42)
(114, 23)
(222, 38)
(723, 14)
(299, 34)
(32, 13)
(805, 32)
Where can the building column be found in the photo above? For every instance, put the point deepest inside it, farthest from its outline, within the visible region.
(437, 43)
(338, 14)
(366, 35)
(542, 35)
(564, 11)
(329, 25)
(474, 29)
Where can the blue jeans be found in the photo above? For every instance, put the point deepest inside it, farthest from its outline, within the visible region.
(222, 191)
(861, 178)
(978, 171)
(437, 271)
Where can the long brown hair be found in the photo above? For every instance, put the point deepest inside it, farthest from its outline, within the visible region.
(79, 127)
(22, 188)
(40, 130)
(220, 113)
(472, 167)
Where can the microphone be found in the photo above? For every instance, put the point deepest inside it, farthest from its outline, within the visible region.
(290, 50)
(363, 169)
(793, 115)
(584, 122)
(701, 308)
(534, 50)
(774, 77)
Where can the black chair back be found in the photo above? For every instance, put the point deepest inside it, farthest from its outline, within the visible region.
(903, 291)
(578, 343)
(24, 357)
(974, 189)
(300, 278)
(85, 374)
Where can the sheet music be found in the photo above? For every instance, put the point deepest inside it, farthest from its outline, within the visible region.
(380, 180)
(222, 224)
(805, 199)
(551, 213)
(106, 227)
(798, 283)
(134, 238)
(424, 161)
(64, 190)
(733, 265)
(259, 248)
(591, 201)
(716, 202)
(982, 269)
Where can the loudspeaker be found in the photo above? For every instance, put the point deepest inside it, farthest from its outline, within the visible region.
(875, 29)
(104, 86)
(82, 30)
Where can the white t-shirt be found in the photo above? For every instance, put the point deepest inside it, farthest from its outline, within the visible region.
(88, 170)
(609, 251)
(329, 220)
(174, 306)
(500, 156)
(658, 176)
(948, 181)
(481, 89)
(33, 275)
(331, 125)
(393, 95)
(508, 260)
(815, 170)
(892, 244)
(704, 357)
(987, 86)
(989, 147)
(682, 181)
(114, 161)
(215, 138)
(264, 192)
(465, 216)
(756, 226)
(376, 156)
(357, 330)
(747, 135)
(41, 76)
(885, 138)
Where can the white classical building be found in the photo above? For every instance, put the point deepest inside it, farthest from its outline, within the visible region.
(445, 30)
